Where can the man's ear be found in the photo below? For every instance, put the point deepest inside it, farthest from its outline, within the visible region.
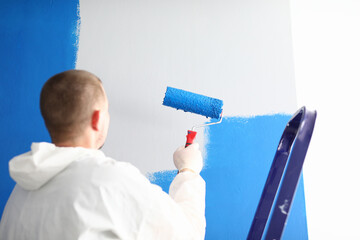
(95, 120)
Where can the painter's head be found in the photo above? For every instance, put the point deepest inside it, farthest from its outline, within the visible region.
(75, 109)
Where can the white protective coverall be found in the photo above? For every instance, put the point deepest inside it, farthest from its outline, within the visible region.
(65, 193)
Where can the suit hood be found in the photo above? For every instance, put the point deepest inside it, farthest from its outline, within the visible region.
(33, 169)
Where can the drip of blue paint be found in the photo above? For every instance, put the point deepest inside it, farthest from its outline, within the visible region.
(192, 102)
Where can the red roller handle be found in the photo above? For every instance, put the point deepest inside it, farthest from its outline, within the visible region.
(190, 137)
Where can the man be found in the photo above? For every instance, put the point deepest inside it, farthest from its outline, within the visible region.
(68, 189)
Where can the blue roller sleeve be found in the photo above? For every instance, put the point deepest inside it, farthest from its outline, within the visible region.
(192, 102)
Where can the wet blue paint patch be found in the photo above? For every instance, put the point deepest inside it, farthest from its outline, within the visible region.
(239, 155)
(163, 179)
(37, 40)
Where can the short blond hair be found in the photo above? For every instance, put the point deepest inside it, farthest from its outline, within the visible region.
(67, 103)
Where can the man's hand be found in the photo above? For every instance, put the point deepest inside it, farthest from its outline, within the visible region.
(188, 159)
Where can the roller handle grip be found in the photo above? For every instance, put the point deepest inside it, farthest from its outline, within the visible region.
(190, 137)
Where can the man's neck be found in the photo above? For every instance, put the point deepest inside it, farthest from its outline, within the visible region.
(85, 142)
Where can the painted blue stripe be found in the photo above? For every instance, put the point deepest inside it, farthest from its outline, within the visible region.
(37, 40)
(239, 155)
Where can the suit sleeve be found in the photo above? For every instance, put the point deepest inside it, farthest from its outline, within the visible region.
(188, 191)
(179, 214)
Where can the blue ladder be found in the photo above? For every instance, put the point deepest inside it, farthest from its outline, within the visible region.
(280, 187)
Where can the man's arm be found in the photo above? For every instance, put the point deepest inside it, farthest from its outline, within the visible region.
(184, 210)
(188, 191)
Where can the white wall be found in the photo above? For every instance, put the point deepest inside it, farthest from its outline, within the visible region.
(238, 51)
(326, 36)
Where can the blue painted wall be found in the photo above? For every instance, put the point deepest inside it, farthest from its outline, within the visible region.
(239, 155)
(37, 40)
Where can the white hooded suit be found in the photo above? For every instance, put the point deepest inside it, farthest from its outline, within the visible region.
(77, 193)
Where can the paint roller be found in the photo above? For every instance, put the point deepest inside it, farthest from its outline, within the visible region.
(194, 103)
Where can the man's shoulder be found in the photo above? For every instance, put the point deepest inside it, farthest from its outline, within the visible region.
(107, 170)
(108, 163)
